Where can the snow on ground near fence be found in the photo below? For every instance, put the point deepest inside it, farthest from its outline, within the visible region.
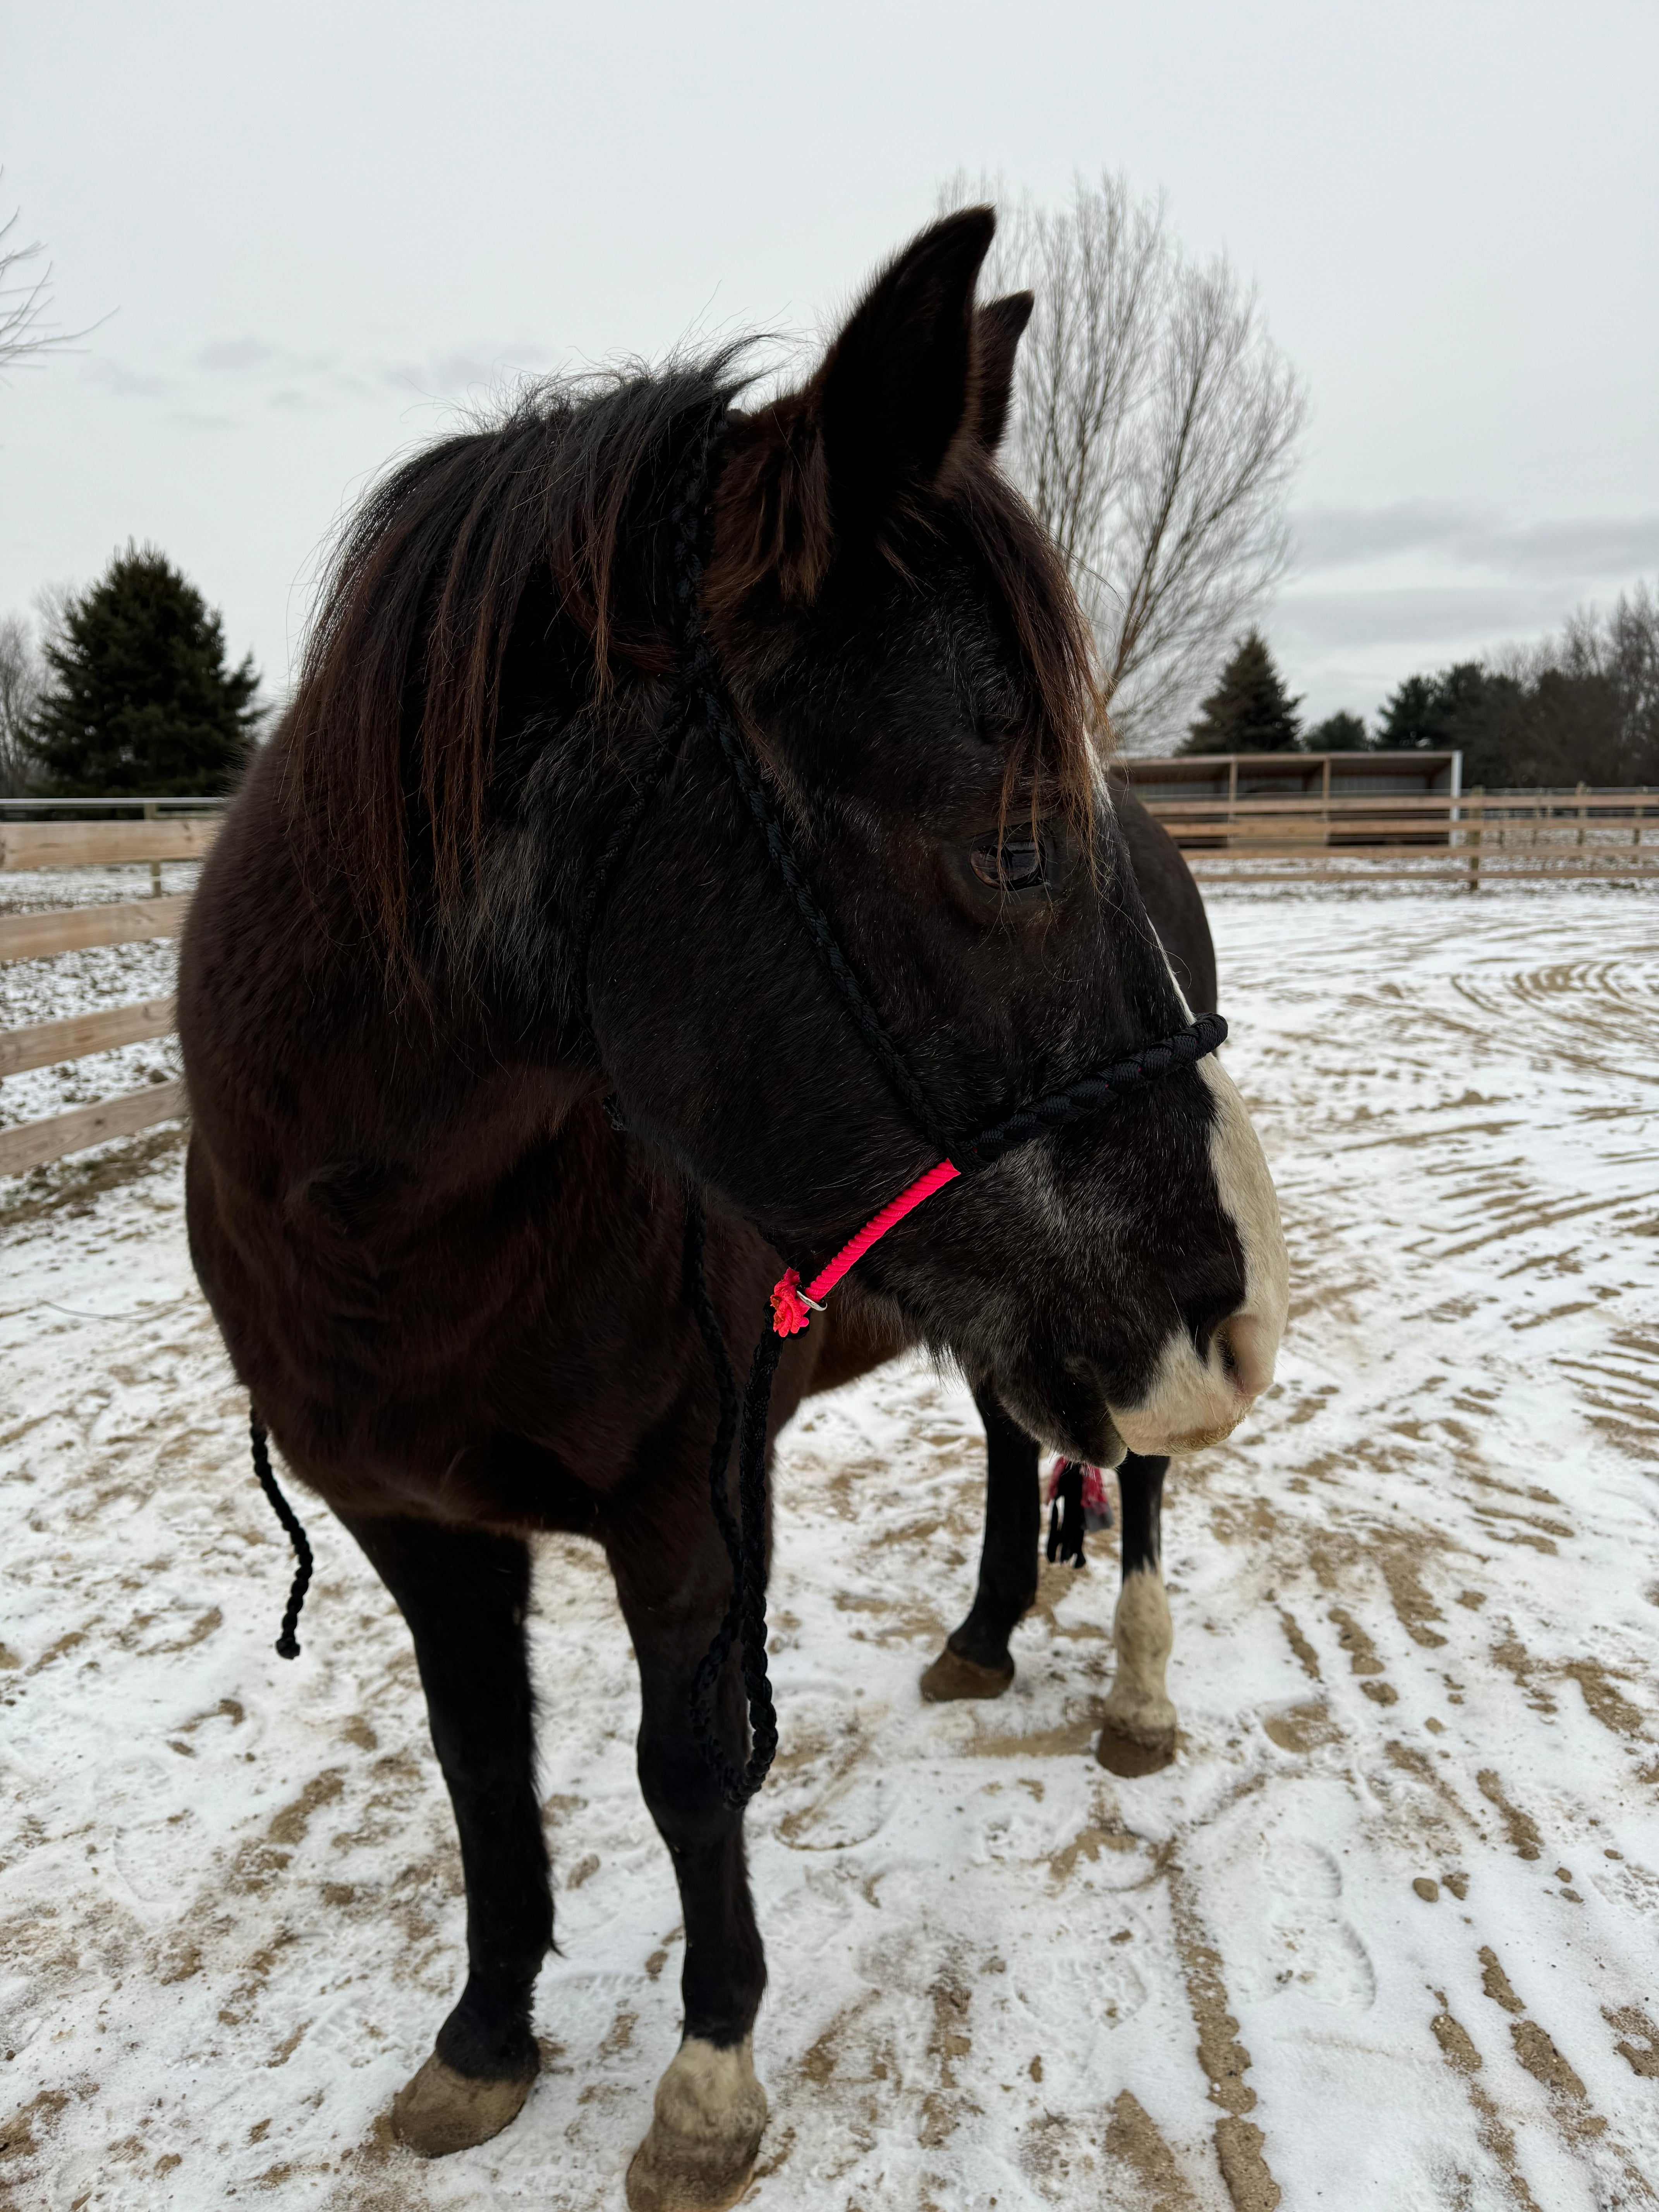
(1384, 1937)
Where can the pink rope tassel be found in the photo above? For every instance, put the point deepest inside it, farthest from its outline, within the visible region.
(790, 1303)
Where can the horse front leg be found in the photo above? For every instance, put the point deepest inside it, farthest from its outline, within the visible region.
(976, 1662)
(1139, 1732)
(464, 1595)
(672, 1580)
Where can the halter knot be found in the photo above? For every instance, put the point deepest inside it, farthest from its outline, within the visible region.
(789, 1313)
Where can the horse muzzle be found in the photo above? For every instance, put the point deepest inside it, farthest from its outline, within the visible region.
(1198, 1398)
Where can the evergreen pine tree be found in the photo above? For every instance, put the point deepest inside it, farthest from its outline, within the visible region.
(1467, 707)
(1249, 710)
(138, 698)
(1341, 732)
(1433, 711)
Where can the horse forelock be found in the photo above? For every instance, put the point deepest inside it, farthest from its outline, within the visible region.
(392, 731)
(392, 738)
(774, 544)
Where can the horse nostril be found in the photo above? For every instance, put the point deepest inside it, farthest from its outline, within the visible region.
(1246, 1350)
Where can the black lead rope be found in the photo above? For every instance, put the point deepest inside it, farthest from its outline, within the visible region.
(288, 1644)
(744, 1538)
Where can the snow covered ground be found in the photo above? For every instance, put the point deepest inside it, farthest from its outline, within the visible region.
(1385, 1936)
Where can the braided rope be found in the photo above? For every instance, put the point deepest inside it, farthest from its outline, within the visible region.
(725, 1382)
(1091, 1093)
(745, 1544)
(792, 1307)
(864, 1016)
(701, 690)
(288, 1644)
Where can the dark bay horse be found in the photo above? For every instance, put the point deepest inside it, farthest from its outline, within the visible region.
(443, 1148)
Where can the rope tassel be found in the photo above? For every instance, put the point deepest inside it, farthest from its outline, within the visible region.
(1078, 1507)
(1066, 1514)
(288, 1644)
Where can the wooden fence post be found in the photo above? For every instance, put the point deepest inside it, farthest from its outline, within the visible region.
(152, 813)
(1480, 792)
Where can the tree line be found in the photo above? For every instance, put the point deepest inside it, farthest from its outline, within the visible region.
(1155, 430)
(1580, 707)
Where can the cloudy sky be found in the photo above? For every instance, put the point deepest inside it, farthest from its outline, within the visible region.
(315, 233)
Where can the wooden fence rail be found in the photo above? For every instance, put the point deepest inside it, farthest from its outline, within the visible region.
(72, 928)
(1565, 806)
(1476, 839)
(104, 844)
(44, 1043)
(35, 1144)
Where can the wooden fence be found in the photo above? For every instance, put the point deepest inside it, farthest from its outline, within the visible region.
(87, 844)
(1478, 840)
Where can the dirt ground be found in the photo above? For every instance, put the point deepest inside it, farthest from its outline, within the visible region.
(1384, 1936)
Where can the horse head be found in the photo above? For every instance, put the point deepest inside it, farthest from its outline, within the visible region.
(911, 672)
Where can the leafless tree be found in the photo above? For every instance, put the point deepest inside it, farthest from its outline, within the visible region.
(1156, 429)
(25, 298)
(1622, 649)
(19, 694)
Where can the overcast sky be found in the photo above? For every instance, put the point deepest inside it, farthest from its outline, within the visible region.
(317, 230)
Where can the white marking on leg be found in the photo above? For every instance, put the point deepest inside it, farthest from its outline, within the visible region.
(711, 2096)
(699, 2151)
(1138, 1705)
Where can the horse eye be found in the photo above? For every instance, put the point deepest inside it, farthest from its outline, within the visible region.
(1017, 864)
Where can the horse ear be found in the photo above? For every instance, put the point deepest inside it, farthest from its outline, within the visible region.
(998, 329)
(898, 387)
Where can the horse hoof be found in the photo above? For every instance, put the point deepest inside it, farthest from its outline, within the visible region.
(1131, 1753)
(663, 2177)
(951, 1676)
(698, 2155)
(441, 2111)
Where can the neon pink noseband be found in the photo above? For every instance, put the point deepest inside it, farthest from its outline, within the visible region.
(790, 1303)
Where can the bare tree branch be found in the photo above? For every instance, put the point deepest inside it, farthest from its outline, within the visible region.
(25, 297)
(1155, 432)
(20, 694)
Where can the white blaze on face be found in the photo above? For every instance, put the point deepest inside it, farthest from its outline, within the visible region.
(1197, 1401)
